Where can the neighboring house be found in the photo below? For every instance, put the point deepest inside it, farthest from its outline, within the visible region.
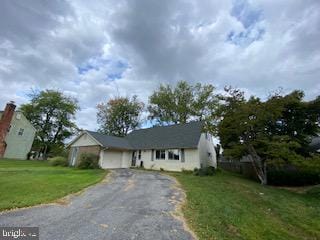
(173, 148)
(315, 144)
(16, 133)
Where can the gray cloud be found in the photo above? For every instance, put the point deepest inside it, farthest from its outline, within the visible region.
(97, 50)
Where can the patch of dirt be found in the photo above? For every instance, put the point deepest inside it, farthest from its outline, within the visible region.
(104, 225)
(130, 184)
(233, 230)
(301, 190)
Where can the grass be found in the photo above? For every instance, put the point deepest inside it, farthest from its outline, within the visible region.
(228, 206)
(27, 183)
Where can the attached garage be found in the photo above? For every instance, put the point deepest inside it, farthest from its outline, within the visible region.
(114, 159)
(109, 149)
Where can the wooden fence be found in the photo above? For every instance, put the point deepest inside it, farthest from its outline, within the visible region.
(243, 167)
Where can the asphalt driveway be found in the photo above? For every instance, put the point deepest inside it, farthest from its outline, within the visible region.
(130, 204)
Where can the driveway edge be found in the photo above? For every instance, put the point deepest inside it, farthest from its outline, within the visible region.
(179, 204)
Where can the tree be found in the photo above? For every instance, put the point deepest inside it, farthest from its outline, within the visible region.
(119, 115)
(276, 130)
(184, 103)
(52, 114)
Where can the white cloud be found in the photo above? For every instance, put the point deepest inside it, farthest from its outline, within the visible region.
(99, 49)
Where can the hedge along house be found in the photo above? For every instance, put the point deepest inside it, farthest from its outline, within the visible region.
(173, 148)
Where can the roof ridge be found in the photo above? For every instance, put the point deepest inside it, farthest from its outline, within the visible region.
(167, 126)
(141, 129)
(104, 134)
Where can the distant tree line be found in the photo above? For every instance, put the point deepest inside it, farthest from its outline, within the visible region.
(276, 130)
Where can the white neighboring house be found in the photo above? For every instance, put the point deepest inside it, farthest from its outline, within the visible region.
(172, 148)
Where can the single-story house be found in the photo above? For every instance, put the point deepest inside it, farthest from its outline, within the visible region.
(173, 148)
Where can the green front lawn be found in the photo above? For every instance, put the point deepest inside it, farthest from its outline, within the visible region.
(26, 183)
(227, 206)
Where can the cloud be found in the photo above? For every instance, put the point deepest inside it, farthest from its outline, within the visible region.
(97, 50)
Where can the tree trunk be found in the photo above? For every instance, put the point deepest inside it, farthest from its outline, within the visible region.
(259, 165)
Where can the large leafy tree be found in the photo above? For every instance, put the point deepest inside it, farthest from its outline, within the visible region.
(277, 130)
(52, 114)
(119, 115)
(183, 103)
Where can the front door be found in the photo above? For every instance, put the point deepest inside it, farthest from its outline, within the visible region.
(134, 158)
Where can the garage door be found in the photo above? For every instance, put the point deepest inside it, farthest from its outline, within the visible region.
(111, 159)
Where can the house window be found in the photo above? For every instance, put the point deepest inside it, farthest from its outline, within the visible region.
(173, 154)
(139, 154)
(160, 154)
(20, 133)
(209, 154)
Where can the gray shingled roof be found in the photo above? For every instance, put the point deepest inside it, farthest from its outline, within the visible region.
(110, 141)
(174, 136)
(163, 137)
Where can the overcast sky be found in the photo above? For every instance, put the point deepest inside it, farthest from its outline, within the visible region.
(94, 50)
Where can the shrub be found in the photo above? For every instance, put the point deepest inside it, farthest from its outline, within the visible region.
(88, 161)
(57, 151)
(204, 171)
(186, 171)
(304, 171)
(297, 177)
(58, 161)
(161, 169)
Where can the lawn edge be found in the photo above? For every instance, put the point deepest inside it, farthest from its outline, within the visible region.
(180, 204)
(65, 200)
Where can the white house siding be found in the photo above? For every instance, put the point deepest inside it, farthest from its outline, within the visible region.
(110, 159)
(191, 161)
(205, 147)
(84, 140)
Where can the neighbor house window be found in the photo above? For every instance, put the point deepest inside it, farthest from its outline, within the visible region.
(160, 154)
(139, 154)
(173, 154)
(21, 130)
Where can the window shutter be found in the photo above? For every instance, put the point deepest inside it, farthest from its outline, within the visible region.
(152, 155)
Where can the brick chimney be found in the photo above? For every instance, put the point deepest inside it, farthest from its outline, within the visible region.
(5, 125)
